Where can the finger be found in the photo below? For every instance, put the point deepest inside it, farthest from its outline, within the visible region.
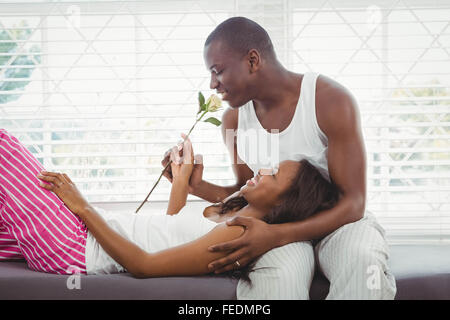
(188, 153)
(50, 173)
(198, 159)
(243, 261)
(57, 180)
(67, 178)
(180, 145)
(51, 179)
(46, 186)
(58, 176)
(168, 172)
(165, 161)
(228, 267)
(51, 182)
(240, 221)
(188, 156)
(168, 176)
(227, 246)
(227, 263)
(186, 141)
(167, 153)
(175, 156)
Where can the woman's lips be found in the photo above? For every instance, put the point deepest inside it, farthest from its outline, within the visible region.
(251, 182)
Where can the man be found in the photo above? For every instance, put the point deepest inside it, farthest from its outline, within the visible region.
(316, 118)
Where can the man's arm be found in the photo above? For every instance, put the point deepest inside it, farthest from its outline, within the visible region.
(339, 119)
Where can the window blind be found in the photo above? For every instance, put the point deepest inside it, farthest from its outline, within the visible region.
(101, 89)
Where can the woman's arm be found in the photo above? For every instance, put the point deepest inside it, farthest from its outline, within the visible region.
(188, 259)
(178, 195)
(181, 167)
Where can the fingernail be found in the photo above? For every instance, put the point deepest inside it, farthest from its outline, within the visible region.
(43, 171)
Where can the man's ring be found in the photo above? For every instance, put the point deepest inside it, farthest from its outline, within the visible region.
(237, 263)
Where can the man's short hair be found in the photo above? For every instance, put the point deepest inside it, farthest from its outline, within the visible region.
(242, 34)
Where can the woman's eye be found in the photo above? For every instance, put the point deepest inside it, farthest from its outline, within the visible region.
(219, 72)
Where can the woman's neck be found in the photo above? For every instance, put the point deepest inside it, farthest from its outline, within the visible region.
(251, 211)
(247, 211)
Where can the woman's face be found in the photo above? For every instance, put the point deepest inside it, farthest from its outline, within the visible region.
(265, 189)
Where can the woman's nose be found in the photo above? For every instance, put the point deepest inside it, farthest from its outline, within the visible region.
(265, 172)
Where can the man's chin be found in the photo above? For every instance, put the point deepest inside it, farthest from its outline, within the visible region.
(235, 105)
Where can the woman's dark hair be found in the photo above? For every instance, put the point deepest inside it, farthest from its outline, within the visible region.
(308, 194)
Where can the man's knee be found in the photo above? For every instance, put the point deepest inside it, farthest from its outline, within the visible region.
(282, 273)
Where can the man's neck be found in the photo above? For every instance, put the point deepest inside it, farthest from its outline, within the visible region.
(277, 87)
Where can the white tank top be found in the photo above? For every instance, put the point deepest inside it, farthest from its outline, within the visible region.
(151, 232)
(301, 139)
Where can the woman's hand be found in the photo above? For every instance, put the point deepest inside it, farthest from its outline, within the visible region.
(256, 240)
(182, 158)
(197, 172)
(65, 189)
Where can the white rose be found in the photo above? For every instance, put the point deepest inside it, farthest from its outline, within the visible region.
(213, 103)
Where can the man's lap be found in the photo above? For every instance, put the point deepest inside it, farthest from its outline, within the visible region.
(294, 264)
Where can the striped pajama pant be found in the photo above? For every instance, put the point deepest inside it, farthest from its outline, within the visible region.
(35, 224)
(353, 258)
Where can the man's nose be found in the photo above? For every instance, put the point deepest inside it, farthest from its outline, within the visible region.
(213, 84)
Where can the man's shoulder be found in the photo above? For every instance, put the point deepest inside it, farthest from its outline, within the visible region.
(334, 104)
(230, 118)
(330, 92)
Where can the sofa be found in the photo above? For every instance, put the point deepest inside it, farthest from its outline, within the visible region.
(421, 271)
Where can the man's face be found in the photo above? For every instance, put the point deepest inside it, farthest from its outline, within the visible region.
(230, 74)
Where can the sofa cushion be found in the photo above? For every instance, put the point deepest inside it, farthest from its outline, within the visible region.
(19, 282)
(421, 271)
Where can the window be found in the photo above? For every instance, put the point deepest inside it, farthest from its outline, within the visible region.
(101, 89)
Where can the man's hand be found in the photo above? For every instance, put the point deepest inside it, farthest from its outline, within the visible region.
(257, 239)
(197, 172)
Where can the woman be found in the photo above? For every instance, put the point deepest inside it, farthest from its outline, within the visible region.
(57, 230)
